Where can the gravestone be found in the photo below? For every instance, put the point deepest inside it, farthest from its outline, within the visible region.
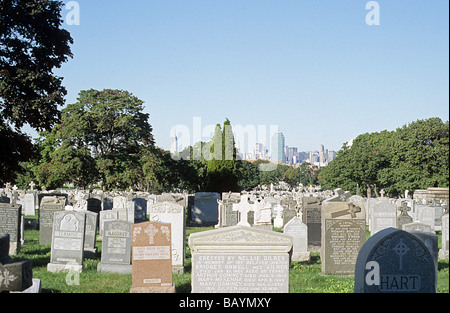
(228, 217)
(14, 276)
(140, 207)
(107, 203)
(430, 240)
(299, 233)
(263, 215)
(417, 226)
(240, 259)
(343, 235)
(243, 208)
(94, 205)
(90, 234)
(48, 207)
(29, 206)
(426, 215)
(151, 258)
(384, 215)
(67, 252)
(173, 214)
(4, 199)
(395, 261)
(404, 217)
(312, 218)
(104, 217)
(120, 206)
(205, 209)
(116, 248)
(10, 223)
(443, 253)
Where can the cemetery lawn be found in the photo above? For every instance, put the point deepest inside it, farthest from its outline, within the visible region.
(305, 277)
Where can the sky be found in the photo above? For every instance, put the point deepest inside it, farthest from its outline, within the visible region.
(314, 69)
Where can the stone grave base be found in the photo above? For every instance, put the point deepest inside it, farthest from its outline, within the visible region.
(58, 268)
(168, 289)
(114, 268)
(35, 288)
(301, 257)
(443, 254)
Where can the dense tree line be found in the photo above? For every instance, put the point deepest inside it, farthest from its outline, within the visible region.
(415, 156)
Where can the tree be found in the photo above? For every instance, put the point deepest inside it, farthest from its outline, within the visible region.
(32, 44)
(15, 148)
(415, 156)
(221, 170)
(102, 137)
(419, 157)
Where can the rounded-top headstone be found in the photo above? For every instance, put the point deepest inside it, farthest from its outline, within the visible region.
(395, 261)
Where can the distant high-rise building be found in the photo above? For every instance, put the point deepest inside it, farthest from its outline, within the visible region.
(174, 145)
(278, 153)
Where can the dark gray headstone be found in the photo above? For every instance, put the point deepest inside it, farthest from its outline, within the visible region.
(48, 207)
(312, 217)
(10, 223)
(116, 248)
(14, 276)
(395, 261)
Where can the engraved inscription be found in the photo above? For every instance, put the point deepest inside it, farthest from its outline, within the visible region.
(241, 273)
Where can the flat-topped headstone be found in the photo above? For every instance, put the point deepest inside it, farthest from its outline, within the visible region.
(67, 252)
(116, 248)
(10, 223)
(14, 276)
(383, 215)
(205, 209)
(140, 209)
(427, 215)
(90, 238)
(120, 206)
(417, 226)
(48, 207)
(104, 217)
(151, 258)
(343, 235)
(29, 206)
(173, 214)
(299, 233)
(395, 261)
(312, 208)
(443, 252)
(240, 259)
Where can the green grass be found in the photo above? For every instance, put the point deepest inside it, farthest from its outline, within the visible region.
(305, 277)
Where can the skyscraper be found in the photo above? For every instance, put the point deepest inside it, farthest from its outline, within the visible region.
(277, 145)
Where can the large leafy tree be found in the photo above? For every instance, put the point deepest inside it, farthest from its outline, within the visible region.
(415, 156)
(32, 45)
(102, 137)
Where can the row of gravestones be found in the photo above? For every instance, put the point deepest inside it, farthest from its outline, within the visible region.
(344, 219)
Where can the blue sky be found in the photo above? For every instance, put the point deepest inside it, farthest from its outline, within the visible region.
(314, 68)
